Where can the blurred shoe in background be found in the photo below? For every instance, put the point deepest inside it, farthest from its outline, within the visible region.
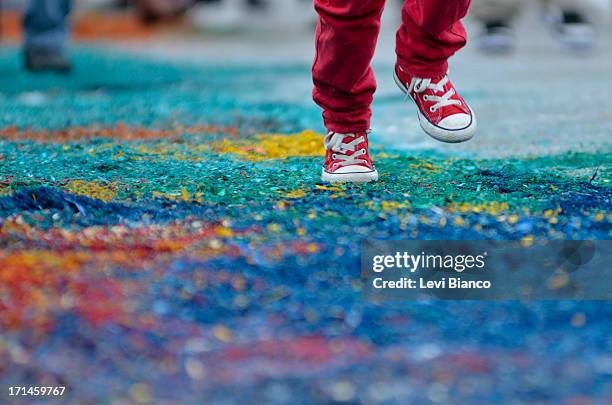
(46, 60)
(496, 21)
(575, 23)
(574, 31)
(497, 37)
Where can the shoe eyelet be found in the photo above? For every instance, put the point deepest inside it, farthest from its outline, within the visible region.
(426, 97)
(432, 109)
(334, 156)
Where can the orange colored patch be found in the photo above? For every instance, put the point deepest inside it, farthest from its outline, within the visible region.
(119, 132)
(96, 25)
(55, 270)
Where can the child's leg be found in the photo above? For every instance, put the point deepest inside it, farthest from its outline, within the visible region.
(46, 35)
(344, 81)
(45, 24)
(431, 32)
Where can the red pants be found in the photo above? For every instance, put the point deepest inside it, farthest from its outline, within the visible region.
(344, 81)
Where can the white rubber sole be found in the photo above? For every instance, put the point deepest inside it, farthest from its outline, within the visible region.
(349, 177)
(438, 133)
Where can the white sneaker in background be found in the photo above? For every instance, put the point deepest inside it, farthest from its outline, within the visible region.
(575, 33)
(573, 29)
(496, 38)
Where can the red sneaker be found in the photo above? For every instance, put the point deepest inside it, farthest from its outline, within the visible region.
(443, 114)
(348, 159)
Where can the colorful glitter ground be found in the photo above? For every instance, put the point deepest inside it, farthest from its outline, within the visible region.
(165, 240)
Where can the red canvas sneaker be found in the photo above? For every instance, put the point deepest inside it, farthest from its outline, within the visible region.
(443, 114)
(348, 159)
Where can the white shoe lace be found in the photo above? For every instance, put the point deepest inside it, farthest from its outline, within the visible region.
(335, 143)
(419, 85)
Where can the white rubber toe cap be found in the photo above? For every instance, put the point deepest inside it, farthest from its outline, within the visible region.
(353, 169)
(454, 129)
(350, 177)
(455, 122)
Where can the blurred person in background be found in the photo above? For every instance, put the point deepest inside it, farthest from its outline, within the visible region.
(46, 29)
(573, 22)
(46, 35)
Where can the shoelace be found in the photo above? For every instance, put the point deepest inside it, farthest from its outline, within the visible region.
(335, 143)
(419, 85)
